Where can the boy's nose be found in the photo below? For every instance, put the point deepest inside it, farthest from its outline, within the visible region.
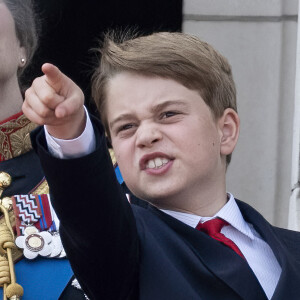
(147, 136)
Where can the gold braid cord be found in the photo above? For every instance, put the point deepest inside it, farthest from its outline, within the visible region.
(4, 271)
(11, 289)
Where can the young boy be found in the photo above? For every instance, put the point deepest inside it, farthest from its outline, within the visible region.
(167, 102)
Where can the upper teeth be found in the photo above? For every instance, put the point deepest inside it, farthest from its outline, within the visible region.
(156, 163)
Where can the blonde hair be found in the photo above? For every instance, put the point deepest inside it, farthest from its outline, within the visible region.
(178, 56)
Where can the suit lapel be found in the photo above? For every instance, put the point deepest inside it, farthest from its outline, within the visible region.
(222, 261)
(288, 286)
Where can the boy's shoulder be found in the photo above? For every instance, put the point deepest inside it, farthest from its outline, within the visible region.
(290, 238)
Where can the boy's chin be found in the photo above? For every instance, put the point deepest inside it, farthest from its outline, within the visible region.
(158, 200)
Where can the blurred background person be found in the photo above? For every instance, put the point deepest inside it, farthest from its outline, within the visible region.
(42, 277)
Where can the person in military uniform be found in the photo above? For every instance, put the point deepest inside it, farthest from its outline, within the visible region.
(44, 272)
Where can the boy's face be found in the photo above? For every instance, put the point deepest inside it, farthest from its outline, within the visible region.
(165, 139)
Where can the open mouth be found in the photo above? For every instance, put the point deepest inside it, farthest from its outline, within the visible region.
(157, 163)
(154, 161)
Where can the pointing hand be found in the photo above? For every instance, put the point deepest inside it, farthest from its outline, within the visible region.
(56, 101)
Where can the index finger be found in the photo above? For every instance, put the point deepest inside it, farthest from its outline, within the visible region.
(54, 77)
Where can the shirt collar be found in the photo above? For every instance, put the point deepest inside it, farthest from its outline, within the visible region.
(230, 212)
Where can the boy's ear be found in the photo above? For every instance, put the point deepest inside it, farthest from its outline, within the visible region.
(229, 127)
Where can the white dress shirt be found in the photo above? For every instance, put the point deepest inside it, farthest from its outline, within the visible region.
(257, 252)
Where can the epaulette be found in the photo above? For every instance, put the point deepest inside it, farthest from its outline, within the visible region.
(15, 136)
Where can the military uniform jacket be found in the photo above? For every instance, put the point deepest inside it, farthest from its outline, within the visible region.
(41, 278)
(123, 251)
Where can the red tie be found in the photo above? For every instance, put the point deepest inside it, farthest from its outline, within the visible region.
(213, 228)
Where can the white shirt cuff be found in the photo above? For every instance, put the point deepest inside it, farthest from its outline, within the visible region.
(78, 147)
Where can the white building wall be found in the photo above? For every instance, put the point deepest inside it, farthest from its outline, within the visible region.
(294, 210)
(259, 39)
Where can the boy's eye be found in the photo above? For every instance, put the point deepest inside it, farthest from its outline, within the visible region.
(125, 127)
(168, 114)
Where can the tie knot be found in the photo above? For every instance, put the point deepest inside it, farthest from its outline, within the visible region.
(212, 226)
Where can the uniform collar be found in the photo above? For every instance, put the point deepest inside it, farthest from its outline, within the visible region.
(14, 136)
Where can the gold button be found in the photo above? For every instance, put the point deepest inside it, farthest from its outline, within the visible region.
(5, 180)
(6, 202)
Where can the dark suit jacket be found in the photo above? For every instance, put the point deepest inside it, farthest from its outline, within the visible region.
(123, 251)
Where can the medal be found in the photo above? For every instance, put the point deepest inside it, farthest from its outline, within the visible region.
(37, 227)
(34, 242)
(56, 245)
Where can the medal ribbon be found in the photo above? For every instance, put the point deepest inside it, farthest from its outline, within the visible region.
(34, 210)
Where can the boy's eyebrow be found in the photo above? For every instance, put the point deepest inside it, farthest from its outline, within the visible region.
(154, 109)
(119, 118)
(165, 104)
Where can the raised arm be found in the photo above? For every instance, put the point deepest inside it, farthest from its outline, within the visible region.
(97, 228)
